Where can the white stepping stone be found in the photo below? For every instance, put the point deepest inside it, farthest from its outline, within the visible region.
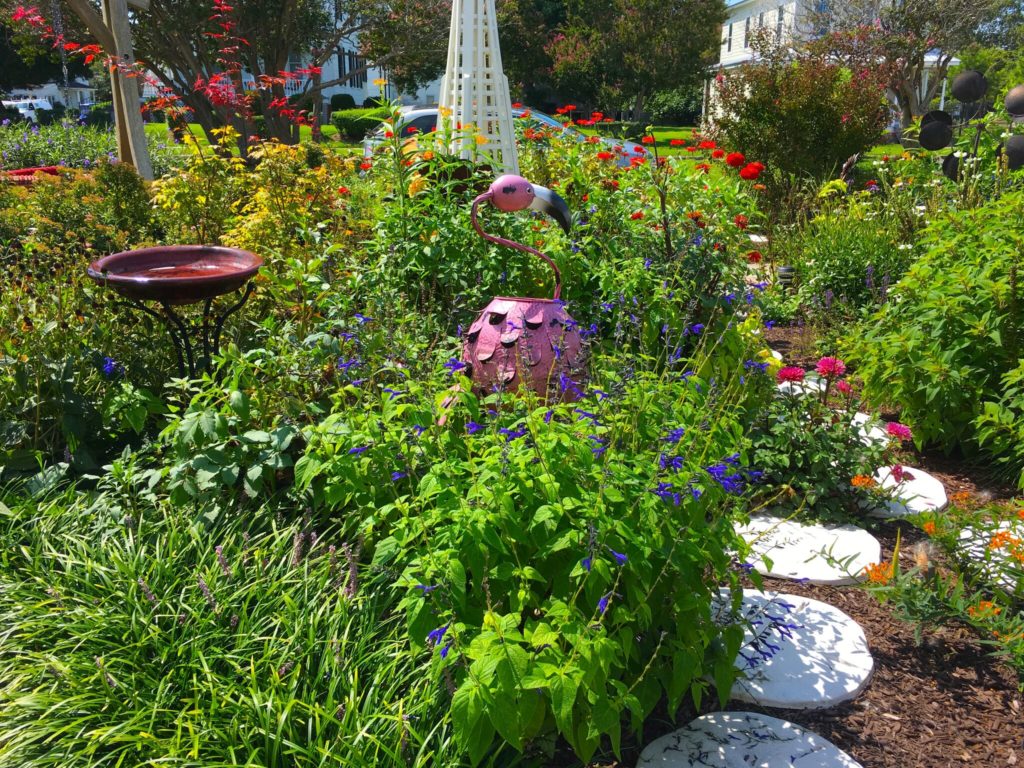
(818, 554)
(797, 653)
(743, 740)
(996, 565)
(915, 495)
(811, 385)
(870, 432)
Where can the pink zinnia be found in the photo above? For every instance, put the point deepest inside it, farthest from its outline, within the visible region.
(790, 373)
(902, 431)
(831, 367)
(844, 387)
(899, 474)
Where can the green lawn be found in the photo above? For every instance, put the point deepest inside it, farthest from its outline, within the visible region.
(159, 132)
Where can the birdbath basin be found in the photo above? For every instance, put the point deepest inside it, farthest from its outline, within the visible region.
(176, 274)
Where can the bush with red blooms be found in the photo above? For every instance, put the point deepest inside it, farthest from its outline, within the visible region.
(801, 113)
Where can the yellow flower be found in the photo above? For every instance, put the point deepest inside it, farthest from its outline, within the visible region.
(444, 111)
(481, 140)
(380, 82)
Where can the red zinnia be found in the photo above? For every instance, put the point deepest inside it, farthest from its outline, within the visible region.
(754, 257)
(707, 144)
(741, 221)
(844, 387)
(516, 105)
(605, 156)
(735, 159)
(718, 154)
(703, 167)
(343, 191)
(790, 373)
(647, 139)
(638, 215)
(366, 165)
(750, 172)
(677, 143)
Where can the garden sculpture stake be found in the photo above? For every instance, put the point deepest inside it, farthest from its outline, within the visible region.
(523, 341)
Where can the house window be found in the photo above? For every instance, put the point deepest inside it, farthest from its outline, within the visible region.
(356, 62)
(760, 20)
(746, 33)
(780, 23)
(728, 39)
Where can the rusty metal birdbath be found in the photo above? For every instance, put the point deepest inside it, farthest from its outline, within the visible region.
(177, 275)
(528, 341)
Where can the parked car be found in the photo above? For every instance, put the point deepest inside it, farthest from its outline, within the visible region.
(29, 109)
(421, 120)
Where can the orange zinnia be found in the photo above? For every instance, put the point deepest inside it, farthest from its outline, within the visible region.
(862, 481)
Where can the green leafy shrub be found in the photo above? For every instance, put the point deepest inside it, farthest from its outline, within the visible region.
(1000, 424)
(813, 457)
(551, 559)
(342, 101)
(354, 124)
(952, 327)
(802, 114)
(847, 257)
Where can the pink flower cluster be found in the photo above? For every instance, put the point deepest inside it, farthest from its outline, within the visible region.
(901, 431)
(831, 367)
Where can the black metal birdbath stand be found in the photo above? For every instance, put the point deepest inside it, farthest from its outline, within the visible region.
(171, 276)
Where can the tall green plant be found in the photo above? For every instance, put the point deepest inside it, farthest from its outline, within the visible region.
(953, 326)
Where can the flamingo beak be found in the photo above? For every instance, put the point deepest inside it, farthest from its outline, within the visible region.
(548, 202)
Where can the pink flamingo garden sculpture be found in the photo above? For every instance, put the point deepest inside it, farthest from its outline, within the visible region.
(524, 341)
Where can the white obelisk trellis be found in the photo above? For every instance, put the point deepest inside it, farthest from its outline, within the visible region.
(474, 87)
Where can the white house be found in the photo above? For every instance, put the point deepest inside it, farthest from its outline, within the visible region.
(77, 93)
(786, 21)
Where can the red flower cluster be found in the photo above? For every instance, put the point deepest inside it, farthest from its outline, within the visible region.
(831, 367)
(751, 171)
(901, 431)
(790, 373)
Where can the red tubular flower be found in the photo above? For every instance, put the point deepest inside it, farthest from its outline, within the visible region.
(790, 373)
(735, 159)
(741, 221)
